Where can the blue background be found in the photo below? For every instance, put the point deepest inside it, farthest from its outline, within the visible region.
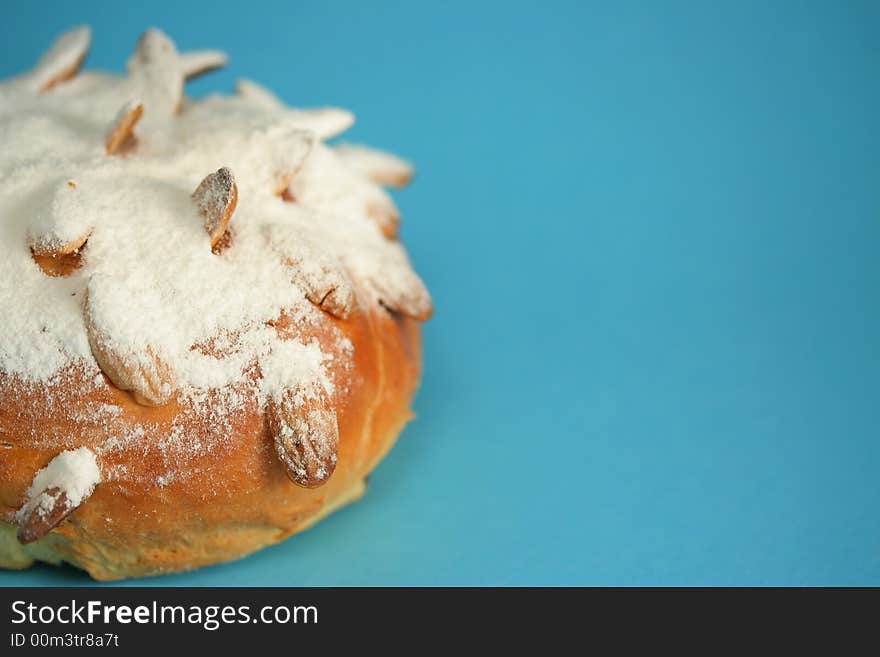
(651, 230)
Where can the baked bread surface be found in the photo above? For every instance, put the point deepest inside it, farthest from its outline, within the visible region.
(236, 497)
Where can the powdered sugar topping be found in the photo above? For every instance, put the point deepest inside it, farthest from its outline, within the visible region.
(151, 287)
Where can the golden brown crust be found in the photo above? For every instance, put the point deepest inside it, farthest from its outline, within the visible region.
(234, 498)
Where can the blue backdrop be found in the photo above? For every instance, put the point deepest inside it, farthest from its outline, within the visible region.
(651, 230)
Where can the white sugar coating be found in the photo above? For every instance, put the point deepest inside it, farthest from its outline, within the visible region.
(75, 473)
(149, 280)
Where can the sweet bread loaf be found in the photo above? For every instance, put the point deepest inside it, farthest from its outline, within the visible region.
(211, 331)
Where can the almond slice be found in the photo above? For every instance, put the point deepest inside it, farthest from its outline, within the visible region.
(322, 278)
(145, 374)
(155, 71)
(58, 265)
(62, 60)
(282, 187)
(339, 301)
(56, 491)
(49, 509)
(198, 62)
(405, 294)
(287, 153)
(386, 217)
(53, 248)
(325, 122)
(216, 198)
(257, 95)
(121, 133)
(306, 435)
(326, 287)
(382, 168)
(58, 233)
(59, 259)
